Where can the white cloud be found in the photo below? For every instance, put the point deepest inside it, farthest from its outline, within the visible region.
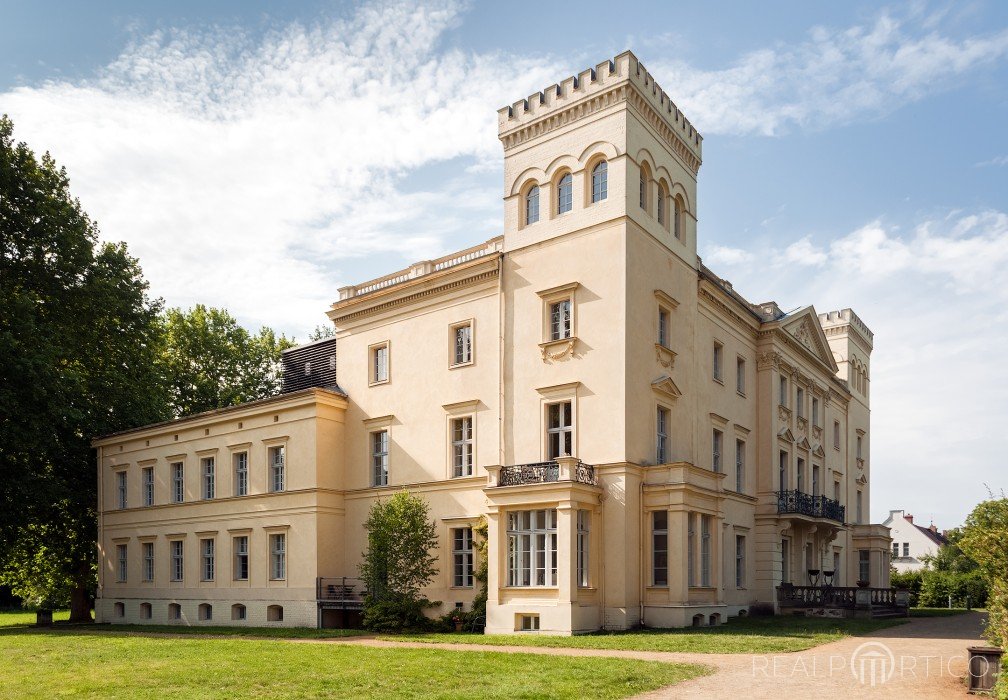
(802, 252)
(262, 174)
(726, 255)
(835, 76)
(996, 162)
(935, 298)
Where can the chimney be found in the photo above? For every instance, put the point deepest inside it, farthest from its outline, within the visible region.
(933, 528)
(909, 519)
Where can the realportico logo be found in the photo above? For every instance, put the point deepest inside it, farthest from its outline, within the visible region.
(873, 663)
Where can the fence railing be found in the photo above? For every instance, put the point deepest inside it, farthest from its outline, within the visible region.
(544, 472)
(342, 592)
(791, 596)
(801, 503)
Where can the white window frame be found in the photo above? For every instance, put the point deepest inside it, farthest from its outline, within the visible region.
(740, 375)
(662, 419)
(836, 435)
(461, 339)
(565, 193)
(147, 479)
(241, 473)
(784, 469)
(599, 178)
(176, 552)
(800, 401)
(664, 326)
(560, 431)
(659, 548)
(462, 557)
(122, 563)
(240, 547)
(740, 561)
(208, 477)
(583, 525)
(276, 468)
(379, 363)
(147, 551)
(532, 548)
(717, 362)
(208, 558)
(122, 489)
(462, 445)
(740, 475)
(561, 319)
(691, 549)
(278, 556)
(706, 547)
(531, 205)
(783, 390)
(717, 450)
(178, 481)
(378, 442)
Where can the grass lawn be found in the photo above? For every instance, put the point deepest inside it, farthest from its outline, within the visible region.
(47, 664)
(752, 635)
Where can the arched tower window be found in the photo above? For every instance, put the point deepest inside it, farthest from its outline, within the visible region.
(677, 214)
(600, 182)
(660, 204)
(643, 187)
(565, 194)
(532, 205)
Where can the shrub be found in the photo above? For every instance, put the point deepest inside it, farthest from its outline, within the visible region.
(964, 588)
(911, 581)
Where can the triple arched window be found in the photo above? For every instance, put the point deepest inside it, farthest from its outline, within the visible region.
(564, 201)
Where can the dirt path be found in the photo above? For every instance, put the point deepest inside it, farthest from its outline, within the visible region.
(923, 659)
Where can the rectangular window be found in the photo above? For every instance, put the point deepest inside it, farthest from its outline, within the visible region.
(532, 548)
(148, 561)
(379, 364)
(782, 471)
(836, 566)
(241, 473)
(740, 567)
(121, 490)
(177, 561)
(379, 458)
(207, 559)
(277, 468)
(906, 549)
(663, 327)
(740, 375)
(462, 557)
(208, 469)
(785, 553)
(559, 430)
(705, 550)
(783, 394)
(123, 563)
(815, 410)
(661, 431)
(815, 479)
(836, 491)
(740, 466)
(800, 475)
(716, 360)
(148, 486)
(836, 434)
(583, 546)
(800, 401)
(278, 557)
(241, 555)
(716, 446)
(178, 482)
(529, 623)
(462, 446)
(462, 351)
(560, 320)
(859, 513)
(860, 445)
(691, 549)
(864, 565)
(895, 549)
(659, 548)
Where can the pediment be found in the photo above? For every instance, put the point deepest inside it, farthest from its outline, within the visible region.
(786, 434)
(665, 386)
(861, 480)
(803, 326)
(804, 444)
(818, 451)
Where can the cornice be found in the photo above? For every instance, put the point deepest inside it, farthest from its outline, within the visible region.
(721, 306)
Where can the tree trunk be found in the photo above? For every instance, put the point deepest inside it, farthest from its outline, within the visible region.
(80, 603)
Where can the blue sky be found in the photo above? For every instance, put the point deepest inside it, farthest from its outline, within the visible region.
(854, 155)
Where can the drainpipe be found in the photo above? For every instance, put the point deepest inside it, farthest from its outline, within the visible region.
(640, 548)
(500, 358)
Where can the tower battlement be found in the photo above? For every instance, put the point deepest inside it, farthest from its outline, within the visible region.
(847, 318)
(588, 92)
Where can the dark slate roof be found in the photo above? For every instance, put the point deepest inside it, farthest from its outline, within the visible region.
(936, 537)
(310, 365)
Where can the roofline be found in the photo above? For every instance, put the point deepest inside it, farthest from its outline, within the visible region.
(276, 398)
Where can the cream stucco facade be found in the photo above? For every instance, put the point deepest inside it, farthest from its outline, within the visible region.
(647, 446)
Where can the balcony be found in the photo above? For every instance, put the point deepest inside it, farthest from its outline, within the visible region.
(560, 469)
(800, 503)
(343, 593)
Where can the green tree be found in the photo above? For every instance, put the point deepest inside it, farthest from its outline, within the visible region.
(985, 540)
(322, 332)
(79, 342)
(398, 562)
(950, 557)
(210, 361)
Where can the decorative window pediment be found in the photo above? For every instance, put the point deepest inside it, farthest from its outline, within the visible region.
(818, 451)
(786, 434)
(665, 386)
(804, 444)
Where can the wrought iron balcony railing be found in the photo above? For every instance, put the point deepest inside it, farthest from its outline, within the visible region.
(544, 472)
(802, 503)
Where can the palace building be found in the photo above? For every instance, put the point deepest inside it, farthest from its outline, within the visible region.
(647, 446)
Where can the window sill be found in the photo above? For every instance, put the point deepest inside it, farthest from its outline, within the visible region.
(718, 380)
(460, 365)
(741, 393)
(384, 381)
(531, 588)
(461, 588)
